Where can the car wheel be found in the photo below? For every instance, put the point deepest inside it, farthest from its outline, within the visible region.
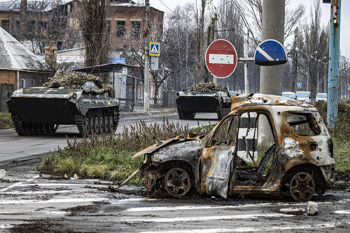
(177, 182)
(302, 186)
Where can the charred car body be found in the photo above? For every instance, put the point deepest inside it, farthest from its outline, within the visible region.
(85, 102)
(268, 145)
(204, 97)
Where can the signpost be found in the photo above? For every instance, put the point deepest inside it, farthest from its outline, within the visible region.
(154, 49)
(299, 85)
(270, 52)
(221, 58)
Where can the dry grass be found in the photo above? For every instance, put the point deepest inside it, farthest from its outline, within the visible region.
(5, 120)
(109, 157)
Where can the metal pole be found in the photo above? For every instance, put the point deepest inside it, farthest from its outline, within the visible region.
(246, 50)
(308, 74)
(146, 71)
(215, 79)
(333, 72)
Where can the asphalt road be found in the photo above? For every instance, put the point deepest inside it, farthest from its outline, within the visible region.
(30, 202)
(18, 147)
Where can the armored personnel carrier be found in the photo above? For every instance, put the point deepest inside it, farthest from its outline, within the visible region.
(204, 97)
(73, 98)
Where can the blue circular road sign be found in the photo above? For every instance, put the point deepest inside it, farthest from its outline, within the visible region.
(270, 52)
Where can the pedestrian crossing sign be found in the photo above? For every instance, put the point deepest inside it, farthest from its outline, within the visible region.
(154, 49)
(299, 85)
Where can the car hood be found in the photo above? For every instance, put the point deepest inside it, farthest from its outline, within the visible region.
(162, 144)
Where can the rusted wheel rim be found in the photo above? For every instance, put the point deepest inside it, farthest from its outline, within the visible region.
(302, 186)
(177, 182)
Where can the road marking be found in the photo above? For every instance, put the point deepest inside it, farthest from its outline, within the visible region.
(67, 200)
(19, 183)
(342, 212)
(51, 184)
(41, 192)
(145, 209)
(203, 218)
(254, 229)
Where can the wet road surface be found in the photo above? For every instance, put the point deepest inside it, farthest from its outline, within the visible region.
(29, 201)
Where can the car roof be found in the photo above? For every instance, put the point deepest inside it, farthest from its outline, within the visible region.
(264, 99)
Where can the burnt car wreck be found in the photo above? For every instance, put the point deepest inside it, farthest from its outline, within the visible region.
(266, 146)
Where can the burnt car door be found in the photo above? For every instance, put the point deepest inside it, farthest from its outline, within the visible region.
(217, 157)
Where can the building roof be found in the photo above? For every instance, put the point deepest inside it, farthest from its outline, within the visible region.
(104, 68)
(33, 6)
(15, 56)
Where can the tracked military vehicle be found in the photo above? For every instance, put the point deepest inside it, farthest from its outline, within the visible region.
(204, 97)
(66, 99)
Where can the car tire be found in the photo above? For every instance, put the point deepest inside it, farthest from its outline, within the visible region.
(177, 182)
(302, 186)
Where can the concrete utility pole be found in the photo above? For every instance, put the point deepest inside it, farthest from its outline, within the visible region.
(333, 72)
(146, 71)
(272, 28)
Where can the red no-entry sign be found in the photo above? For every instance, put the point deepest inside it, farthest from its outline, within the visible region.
(221, 58)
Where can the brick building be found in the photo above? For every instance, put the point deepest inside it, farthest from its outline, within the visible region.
(18, 65)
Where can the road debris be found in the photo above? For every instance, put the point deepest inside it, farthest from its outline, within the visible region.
(2, 173)
(294, 211)
(312, 208)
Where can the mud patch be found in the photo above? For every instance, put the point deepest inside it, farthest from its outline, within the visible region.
(342, 176)
(40, 226)
(77, 210)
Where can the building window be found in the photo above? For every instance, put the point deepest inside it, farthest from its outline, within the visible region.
(32, 83)
(5, 24)
(140, 93)
(120, 28)
(108, 27)
(31, 26)
(17, 27)
(135, 28)
(59, 45)
(23, 83)
(43, 25)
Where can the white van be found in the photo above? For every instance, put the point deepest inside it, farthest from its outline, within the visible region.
(303, 96)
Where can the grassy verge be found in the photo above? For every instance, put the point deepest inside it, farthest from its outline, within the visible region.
(5, 120)
(109, 157)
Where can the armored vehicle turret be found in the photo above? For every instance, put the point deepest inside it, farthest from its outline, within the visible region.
(204, 97)
(81, 100)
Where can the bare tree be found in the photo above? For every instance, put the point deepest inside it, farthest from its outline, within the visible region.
(92, 16)
(40, 22)
(314, 48)
(251, 13)
(179, 46)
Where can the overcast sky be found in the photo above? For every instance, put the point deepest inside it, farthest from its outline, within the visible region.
(345, 16)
